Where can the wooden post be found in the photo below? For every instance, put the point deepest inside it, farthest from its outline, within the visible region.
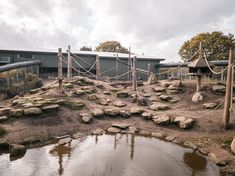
(69, 66)
(117, 67)
(134, 79)
(60, 71)
(199, 80)
(228, 95)
(149, 71)
(129, 63)
(97, 64)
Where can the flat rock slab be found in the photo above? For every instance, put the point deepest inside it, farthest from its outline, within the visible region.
(3, 118)
(159, 89)
(97, 112)
(136, 110)
(32, 111)
(119, 104)
(159, 106)
(98, 131)
(65, 141)
(121, 125)
(183, 122)
(210, 105)
(113, 130)
(158, 135)
(162, 119)
(51, 108)
(112, 111)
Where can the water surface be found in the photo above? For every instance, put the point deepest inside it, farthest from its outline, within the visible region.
(109, 155)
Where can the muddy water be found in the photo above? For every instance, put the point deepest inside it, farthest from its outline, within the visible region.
(108, 155)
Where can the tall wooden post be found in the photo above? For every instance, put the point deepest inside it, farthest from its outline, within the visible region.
(69, 66)
(60, 71)
(97, 64)
(129, 63)
(199, 80)
(149, 71)
(117, 67)
(228, 95)
(134, 79)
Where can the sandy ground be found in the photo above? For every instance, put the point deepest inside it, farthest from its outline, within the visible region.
(207, 133)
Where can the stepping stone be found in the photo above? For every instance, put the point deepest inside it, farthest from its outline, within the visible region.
(97, 131)
(147, 115)
(120, 125)
(136, 110)
(158, 135)
(112, 111)
(97, 112)
(161, 119)
(113, 130)
(183, 122)
(165, 97)
(119, 104)
(159, 89)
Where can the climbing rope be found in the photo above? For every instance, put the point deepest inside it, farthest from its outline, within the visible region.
(208, 65)
(118, 76)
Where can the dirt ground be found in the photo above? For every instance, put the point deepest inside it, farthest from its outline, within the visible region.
(207, 132)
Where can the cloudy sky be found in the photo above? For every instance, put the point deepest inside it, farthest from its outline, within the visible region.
(152, 27)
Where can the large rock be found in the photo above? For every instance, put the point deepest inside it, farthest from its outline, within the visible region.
(112, 111)
(198, 96)
(219, 88)
(121, 125)
(147, 115)
(161, 119)
(159, 89)
(32, 111)
(51, 108)
(183, 122)
(97, 112)
(16, 149)
(209, 105)
(165, 97)
(136, 110)
(113, 130)
(233, 145)
(119, 104)
(16, 112)
(86, 118)
(152, 79)
(122, 94)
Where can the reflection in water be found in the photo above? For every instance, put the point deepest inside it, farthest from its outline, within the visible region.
(194, 161)
(116, 155)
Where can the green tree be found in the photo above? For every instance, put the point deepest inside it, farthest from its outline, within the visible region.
(111, 46)
(216, 44)
(85, 48)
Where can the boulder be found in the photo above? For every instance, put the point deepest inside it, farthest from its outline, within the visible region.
(152, 79)
(97, 112)
(165, 97)
(16, 112)
(183, 122)
(159, 89)
(210, 105)
(65, 141)
(16, 149)
(93, 97)
(233, 145)
(119, 104)
(219, 88)
(97, 131)
(198, 96)
(113, 130)
(121, 125)
(136, 110)
(51, 108)
(125, 113)
(3, 118)
(161, 119)
(112, 111)
(147, 115)
(32, 111)
(86, 118)
(122, 94)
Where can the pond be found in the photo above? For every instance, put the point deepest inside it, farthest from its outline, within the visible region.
(109, 155)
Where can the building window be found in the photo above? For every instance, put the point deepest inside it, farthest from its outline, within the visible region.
(25, 56)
